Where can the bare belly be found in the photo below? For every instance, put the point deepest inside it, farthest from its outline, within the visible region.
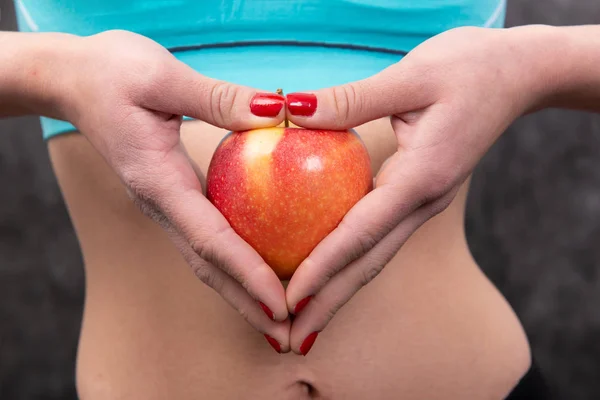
(431, 326)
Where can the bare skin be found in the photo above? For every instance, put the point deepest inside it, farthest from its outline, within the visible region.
(431, 326)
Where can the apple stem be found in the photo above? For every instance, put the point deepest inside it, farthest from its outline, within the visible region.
(286, 122)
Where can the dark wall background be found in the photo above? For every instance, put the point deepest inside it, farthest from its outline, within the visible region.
(533, 224)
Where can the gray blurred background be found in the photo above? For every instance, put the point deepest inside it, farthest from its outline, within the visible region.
(533, 224)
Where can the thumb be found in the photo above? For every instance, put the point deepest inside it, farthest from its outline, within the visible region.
(395, 90)
(180, 90)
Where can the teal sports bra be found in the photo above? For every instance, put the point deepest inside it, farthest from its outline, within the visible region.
(297, 45)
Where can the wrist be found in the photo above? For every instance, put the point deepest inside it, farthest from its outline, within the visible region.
(560, 65)
(534, 54)
(34, 73)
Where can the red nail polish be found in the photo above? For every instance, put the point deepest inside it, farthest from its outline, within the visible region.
(302, 104)
(267, 310)
(308, 343)
(301, 304)
(266, 104)
(274, 343)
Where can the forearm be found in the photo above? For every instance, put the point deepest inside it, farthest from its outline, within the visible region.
(33, 72)
(565, 66)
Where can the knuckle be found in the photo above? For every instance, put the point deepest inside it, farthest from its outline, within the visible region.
(467, 32)
(331, 311)
(347, 103)
(328, 273)
(366, 241)
(144, 69)
(363, 240)
(206, 276)
(326, 270)
(115, 33)
(144, 197)
(151, 210)
(327, 308)
(223, 97)
(138, 186)
(112, 35)
(205, 249)
(216, 281)
(203, 274)
(243, 311)
(152, 77)
(208, 247)
(442, 203)
(368, 274)
(440, 182)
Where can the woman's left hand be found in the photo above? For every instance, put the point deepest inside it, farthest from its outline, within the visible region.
(449, 100)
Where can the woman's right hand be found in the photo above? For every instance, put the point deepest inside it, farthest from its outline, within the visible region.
(126, 94)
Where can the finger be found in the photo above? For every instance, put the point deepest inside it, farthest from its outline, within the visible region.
(165, 184)
(407, 183)
(236, 296)
(180, 90)
(339, 290)
(395, 90)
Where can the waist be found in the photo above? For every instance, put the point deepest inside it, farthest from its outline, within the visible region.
(431, 326)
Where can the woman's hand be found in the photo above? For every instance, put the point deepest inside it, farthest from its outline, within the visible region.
(127, 94)
(449, 100)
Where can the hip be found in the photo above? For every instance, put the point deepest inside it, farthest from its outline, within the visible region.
(422, 329)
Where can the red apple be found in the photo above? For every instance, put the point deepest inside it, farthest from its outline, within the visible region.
(284, 189)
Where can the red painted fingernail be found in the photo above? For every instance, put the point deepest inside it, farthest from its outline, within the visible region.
(266, 104)
(302, 104)
(308, 343)
(274, 343)
(267, 310)
(301, 304)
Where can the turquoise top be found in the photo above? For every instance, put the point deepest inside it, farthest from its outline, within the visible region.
(298, 45)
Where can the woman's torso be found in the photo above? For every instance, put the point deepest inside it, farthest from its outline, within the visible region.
(431, 326)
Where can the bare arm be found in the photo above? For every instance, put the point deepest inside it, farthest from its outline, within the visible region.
(29, 82)
(567, 64)
(124, 93)
(32, 72)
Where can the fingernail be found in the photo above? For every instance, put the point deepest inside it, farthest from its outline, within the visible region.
(266, 104)
(308, 343)
(274, 343)
(302, 104)
(267, 310)
(301, 304)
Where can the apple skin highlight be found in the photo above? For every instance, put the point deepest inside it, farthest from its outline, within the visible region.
(284, 189)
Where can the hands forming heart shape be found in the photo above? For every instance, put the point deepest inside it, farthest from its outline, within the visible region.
(448, 101)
